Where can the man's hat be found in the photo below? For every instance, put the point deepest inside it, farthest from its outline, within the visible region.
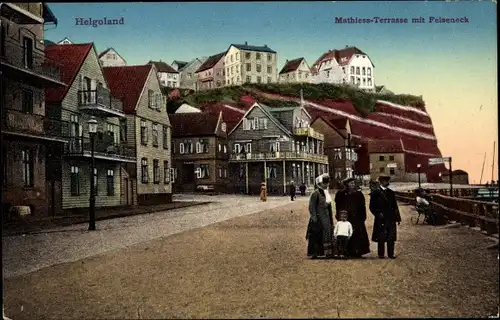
(384, 178)
(346, 181)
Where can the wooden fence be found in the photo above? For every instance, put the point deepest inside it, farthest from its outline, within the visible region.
(466, 211)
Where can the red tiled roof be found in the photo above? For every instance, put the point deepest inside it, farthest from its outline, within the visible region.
(71, 56)
(385, 146)
(338, 122)
(211, 62)
(291, 65)
(163, 67)
(126, 83)
(193, 124)
(347, 52)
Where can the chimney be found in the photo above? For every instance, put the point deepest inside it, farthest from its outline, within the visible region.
(346, 46)
(286, 61)
(246, 43)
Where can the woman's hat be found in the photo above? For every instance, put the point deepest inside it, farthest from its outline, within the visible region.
(384, 178)
(346, 181)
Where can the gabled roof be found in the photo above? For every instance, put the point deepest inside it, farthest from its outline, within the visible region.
(127, 83)
(108, 50)
(180, 64)
(65, 40)
(48, 16)
(338, 122)
(211, 62)
(163, 66)
(266, 110)
(338, 55)
(193, 124)
(291, 65)
(247, 47)
(385, 146)
(331, 125)
(71, 57)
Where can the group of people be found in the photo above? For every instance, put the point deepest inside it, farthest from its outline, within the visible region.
(349, 237)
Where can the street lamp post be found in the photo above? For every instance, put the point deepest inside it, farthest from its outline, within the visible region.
(92, 131)
(418, 170)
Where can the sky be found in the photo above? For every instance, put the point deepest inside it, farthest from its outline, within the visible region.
(452, 65)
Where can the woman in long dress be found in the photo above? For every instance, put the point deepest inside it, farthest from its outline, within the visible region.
(320, 227)
(353, 201)
(263, 192)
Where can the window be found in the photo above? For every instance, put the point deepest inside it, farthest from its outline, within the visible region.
(248, 55)
(110, 182)
(248, 147)
(392, 171)
(248, 66)
(156, 171)
(220, 147)
(165, 137)
(27, 101)
(391, 158)
(144, 170)
(237, 148)
(151, 98)
(28, 52)
(225, 172)
(263, 123)
(258, 68)
(123, 130)
(352, 80)
(337, 154)
(269, 80)
(257, 56)
(220, 172)
(274, 146)
(369, 71)
(225, 149)
(155, 134)
(352, 70)
(363, 71)
(269, 57)
(28, 164)
(369, 82)
(272, 172)
(203, 171)
(381, 158)
(2, 38)
(248, 79)
(166, 172)
(269, 69)
(259, 80)
(144, 133)
(382, 170)
(364, 82)
(181, 148)
(357, 70)
(75, 181)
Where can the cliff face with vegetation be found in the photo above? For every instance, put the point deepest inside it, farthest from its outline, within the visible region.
(372, 116)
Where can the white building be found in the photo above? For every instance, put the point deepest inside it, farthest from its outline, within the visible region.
(65, 41)
(168, 76)
(186, 108)
(349, 65)
(245, 63)
(296, 70)
(111, 58)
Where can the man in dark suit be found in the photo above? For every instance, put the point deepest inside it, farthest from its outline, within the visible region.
(384, 207)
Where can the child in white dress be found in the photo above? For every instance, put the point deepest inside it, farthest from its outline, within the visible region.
(342, 233)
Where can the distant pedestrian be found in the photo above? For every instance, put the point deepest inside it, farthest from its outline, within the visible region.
(302, 189)
(384, 207)
(291, 190)
(263, 192)
(342, 234)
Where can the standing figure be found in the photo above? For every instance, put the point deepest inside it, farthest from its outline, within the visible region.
(342, 234)
(263, 192)
(302, 189)
(320, 227)
(384, 207)
(291, 190)
(352, 200)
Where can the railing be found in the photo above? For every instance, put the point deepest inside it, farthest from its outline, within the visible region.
(99, 97)
(471, 212)
(103, 147)
(280, 156)
(486, 192)
(309, 132)
(38, 63)
(19, 122)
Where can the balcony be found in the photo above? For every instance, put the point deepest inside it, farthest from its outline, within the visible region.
(100, 103)
(23, 13)
(105, 149)
(34, 126)
(273, 156)
(309, 132)
(30, 67)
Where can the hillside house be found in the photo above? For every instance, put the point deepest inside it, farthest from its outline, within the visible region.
(178, 65)
(387, 157)
(345, 66)
(146, 130)
(210, 74)
(168, 76)
(30, 140)
(200, 152)
(187, 74)
(65, 41)
(276, 146)
(296, 70)
(86, 96)
(111, 58)
(245, 63)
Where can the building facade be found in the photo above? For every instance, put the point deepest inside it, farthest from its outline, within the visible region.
(210, 74)
(111, 58)
(276, 146)
(30, 140)
(146, 129)
(168, 76)
(341, 152)
(387, 157)
(250, 64)
(294, 71)
(187, 74)
(86, 96)
(178, 65)
(200, 152)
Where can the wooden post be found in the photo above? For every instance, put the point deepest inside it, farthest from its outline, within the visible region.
(450, 174)
(246, 178)
(265, 173)
(303, 177)
(284, 177)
